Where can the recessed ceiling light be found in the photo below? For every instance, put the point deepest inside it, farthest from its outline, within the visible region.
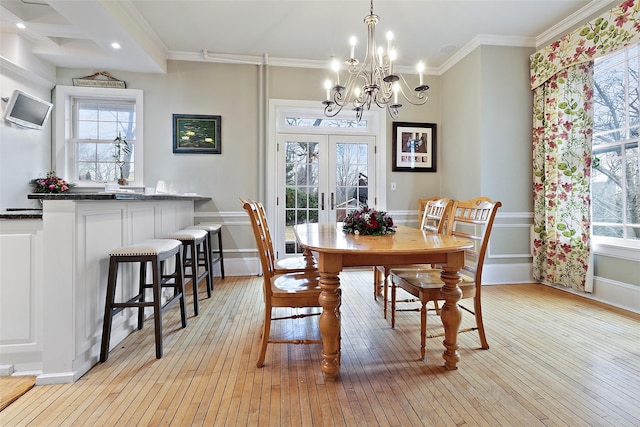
(21, 25)
(115, 45)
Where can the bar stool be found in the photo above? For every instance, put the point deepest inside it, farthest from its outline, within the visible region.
(217, 255)
(156, 252)
(195, 244)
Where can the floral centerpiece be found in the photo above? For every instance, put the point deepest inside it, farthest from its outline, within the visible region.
(50, 184)
(369, 222)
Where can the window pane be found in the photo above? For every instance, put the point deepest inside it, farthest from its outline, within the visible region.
(632, 75)
(86, 152)
(108, 130)
(633, 233)
(313, 202)
(87, 130)
(633, 190)
(105, 152)
(606, 204)
(609, 99)
(86, 171)
(608, 231)
(87, 110)
(107, 114)
(315, 122)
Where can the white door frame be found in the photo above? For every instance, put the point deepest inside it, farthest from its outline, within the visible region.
(377, 128)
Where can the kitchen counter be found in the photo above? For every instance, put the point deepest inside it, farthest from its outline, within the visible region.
(24, 213)
(117, 196)
(54, 265)
(21, 213)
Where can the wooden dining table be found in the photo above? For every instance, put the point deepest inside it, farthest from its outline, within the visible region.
(335, 249)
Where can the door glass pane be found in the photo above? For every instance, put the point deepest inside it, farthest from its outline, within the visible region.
(301, 188)
(352, 183)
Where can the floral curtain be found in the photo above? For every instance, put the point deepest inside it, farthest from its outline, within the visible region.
(562, 80)
(611, 31)
(562, 124)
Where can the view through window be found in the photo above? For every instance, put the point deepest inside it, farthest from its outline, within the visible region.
(97, 122)
(615, 180)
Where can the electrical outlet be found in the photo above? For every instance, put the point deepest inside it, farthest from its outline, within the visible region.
(393, 186)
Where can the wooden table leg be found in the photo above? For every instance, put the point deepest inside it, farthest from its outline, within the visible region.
(451, 314)
(329, 266)
(308, 257)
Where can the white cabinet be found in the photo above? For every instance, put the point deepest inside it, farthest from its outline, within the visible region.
(55, 285)
(21, 294)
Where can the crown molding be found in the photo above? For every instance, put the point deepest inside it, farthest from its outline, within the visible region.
(226, 58)
(484, 40)
(582, 15)
(8, 66)
(569, 23)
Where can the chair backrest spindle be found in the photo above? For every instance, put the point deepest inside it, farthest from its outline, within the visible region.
(435, 215)
(473, 220)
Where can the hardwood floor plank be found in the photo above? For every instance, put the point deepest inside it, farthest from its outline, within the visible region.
(556, 359)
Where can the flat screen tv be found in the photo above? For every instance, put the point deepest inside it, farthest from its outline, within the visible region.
(27, 110)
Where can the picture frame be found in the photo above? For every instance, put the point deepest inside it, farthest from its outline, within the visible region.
(414, 147)
(197, 133)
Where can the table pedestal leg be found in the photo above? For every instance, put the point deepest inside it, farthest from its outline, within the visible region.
(308, 257)
(330, 322)
(451, 315)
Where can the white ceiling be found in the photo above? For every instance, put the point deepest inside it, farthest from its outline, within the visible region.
(78, 33)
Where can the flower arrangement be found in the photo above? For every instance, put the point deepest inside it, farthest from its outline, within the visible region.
(368, 222)
(50, 184)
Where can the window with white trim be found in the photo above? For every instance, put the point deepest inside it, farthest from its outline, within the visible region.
(615, 179)
(96, 124)
(87, 121)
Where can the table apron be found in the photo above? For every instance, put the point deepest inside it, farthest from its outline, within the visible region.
(369, 259)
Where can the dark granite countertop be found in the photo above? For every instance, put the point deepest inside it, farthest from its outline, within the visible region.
(116, 196)
(33, 213)
(21, 213)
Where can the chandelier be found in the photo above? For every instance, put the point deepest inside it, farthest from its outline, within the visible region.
(374, 81)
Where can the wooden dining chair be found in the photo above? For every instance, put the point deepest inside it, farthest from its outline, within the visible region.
(422, 205)
(473, 220)
(377, 282)
(434, 218)
(306, 262)
(289, 290)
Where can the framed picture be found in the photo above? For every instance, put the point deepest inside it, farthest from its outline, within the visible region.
(414, 147)
(194, 133)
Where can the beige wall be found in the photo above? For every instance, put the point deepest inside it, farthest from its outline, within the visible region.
(481, 107)
(24, 153)
(461, 132)
(505, 126)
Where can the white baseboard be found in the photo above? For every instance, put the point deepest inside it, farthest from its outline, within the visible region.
(239, 267)
(618, 294)
(500, 274)
(57, 378)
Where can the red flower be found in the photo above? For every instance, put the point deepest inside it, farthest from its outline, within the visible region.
(621, 19)
(626, 5)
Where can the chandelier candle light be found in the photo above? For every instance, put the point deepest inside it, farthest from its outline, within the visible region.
(373, 81)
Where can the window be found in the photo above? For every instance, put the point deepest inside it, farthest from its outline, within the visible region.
(615, 180)
(96, 123)
(87, 120)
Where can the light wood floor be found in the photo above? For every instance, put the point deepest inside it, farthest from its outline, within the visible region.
(555, 360)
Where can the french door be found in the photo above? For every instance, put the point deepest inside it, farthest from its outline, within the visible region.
(320, 178)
